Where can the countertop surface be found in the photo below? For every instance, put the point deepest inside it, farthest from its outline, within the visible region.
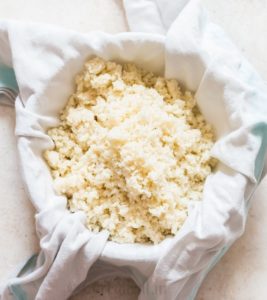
(242, 272)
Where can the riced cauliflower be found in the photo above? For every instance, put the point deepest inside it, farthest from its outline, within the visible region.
(131, 151)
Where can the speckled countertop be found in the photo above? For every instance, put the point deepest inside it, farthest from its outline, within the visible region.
(242, 273)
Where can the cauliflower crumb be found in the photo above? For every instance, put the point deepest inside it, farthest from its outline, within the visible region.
(132, 150)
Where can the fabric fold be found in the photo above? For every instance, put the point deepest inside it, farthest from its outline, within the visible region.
(67, 253)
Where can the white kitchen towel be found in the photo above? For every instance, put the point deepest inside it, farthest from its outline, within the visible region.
(172, 38)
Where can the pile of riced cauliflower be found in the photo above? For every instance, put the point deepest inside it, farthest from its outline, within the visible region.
(131, 151)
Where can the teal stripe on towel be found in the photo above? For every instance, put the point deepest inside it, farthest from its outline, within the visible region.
(18, 292)
(29, 266)
(260, 130)
(8, 78)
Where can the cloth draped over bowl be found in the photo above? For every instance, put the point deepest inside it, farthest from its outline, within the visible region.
(177, 40)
